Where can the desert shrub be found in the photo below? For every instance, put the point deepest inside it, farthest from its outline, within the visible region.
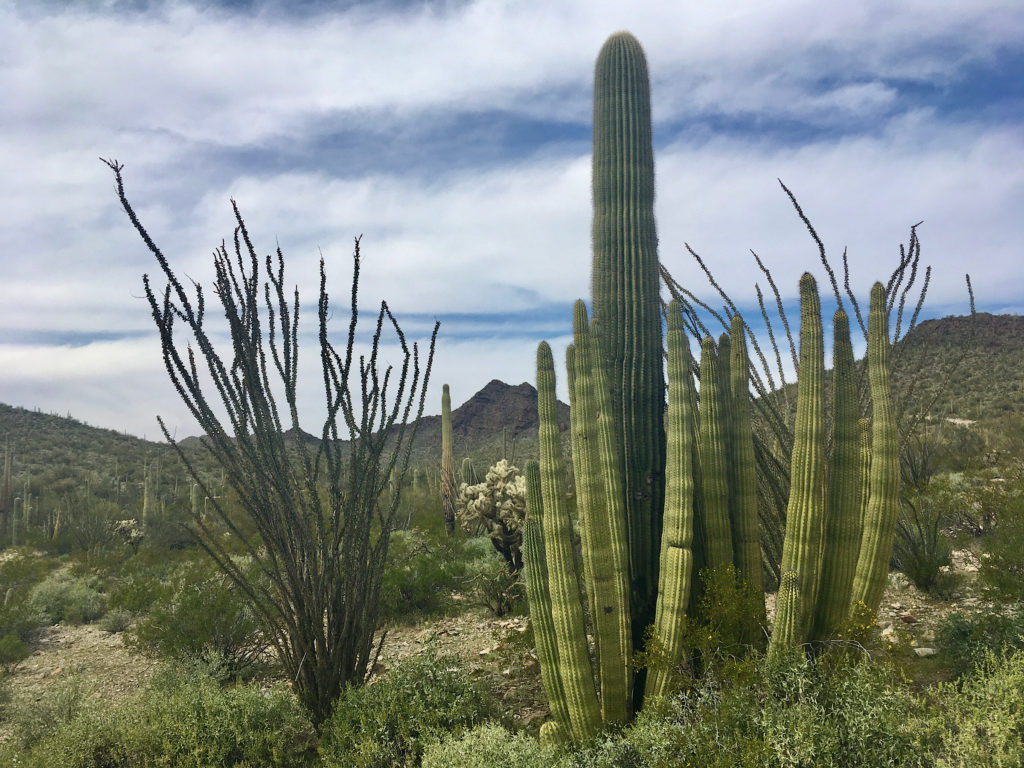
(921, 548)
(62, 597)
(494, 587)
(145, 578)
(983, 721)
(12, 649)
(34, 718)
(183, 721)
(390, 721)
(781, 713)
(968, 640)
(201, 615)
(422, 573)
(486, 746)
(116, 620)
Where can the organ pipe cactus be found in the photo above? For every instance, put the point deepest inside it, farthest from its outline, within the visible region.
(626, 300)
(600, 507)
(564, 588)
(716, 532)
(676, 569)
(883, 502)
(843, 501)
(801, 549)
(746, 533)
(538, 594)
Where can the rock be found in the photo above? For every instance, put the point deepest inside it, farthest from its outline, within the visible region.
(889, 632)
(906, 618)
(923, 652)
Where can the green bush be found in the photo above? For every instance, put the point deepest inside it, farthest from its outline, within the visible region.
(389, 721)
(61, 597)
(185, 722)
(921, 548)
(487, 746)
(968, 640)
(785, 713)
(983, 722)
(12, 649)
(201, 615)
(116, 620)
(35, 718)
(422, 573)
(493, 587)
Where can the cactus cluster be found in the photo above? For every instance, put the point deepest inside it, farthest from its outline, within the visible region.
(498, 504)
(663, 506)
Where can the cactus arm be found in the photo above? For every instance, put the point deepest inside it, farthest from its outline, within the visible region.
(746, 530)
(801, 549)
(843, 525)
(566, 608)
(539, 597)
(883, 502)
(602, 520)
(716, 529)
(676, 572)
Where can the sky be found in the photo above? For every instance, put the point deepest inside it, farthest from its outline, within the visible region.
(454, 137)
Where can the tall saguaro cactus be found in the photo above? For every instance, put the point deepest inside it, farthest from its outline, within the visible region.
(449, 488)
(626, 303)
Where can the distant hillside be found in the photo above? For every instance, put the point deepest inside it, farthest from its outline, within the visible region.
(976, 368)
(60, 454)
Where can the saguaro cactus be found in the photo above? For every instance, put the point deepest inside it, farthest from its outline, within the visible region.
(626, 303)
(449, 489)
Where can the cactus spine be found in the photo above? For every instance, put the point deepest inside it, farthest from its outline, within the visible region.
(448, 487)
(626, 300)
(843, 525)
(676, 570)
(566, 609)
(801, 549)
(883, 503)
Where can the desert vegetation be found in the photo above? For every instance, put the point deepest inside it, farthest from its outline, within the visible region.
(700, 563)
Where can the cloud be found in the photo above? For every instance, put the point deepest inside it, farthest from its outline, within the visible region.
(455, 138)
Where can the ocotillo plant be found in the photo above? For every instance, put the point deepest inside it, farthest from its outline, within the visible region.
(449, 488)
(626, 301)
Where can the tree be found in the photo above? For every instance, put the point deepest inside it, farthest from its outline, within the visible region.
(321, 512)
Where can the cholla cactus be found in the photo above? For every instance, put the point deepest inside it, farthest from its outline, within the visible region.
(499, 504)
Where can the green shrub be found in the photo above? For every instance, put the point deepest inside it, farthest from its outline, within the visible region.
(34, 718)
(12, 649)
(495, 588)
(116, 620)
(202, 615)
(487, 746)
(983, 722)
(422, 573)
(61, 597)
(783, 713)
(968, 640)
(389, 721)
(921, 548)
(182, 721)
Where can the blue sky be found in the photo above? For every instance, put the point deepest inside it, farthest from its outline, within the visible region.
(455, 137)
